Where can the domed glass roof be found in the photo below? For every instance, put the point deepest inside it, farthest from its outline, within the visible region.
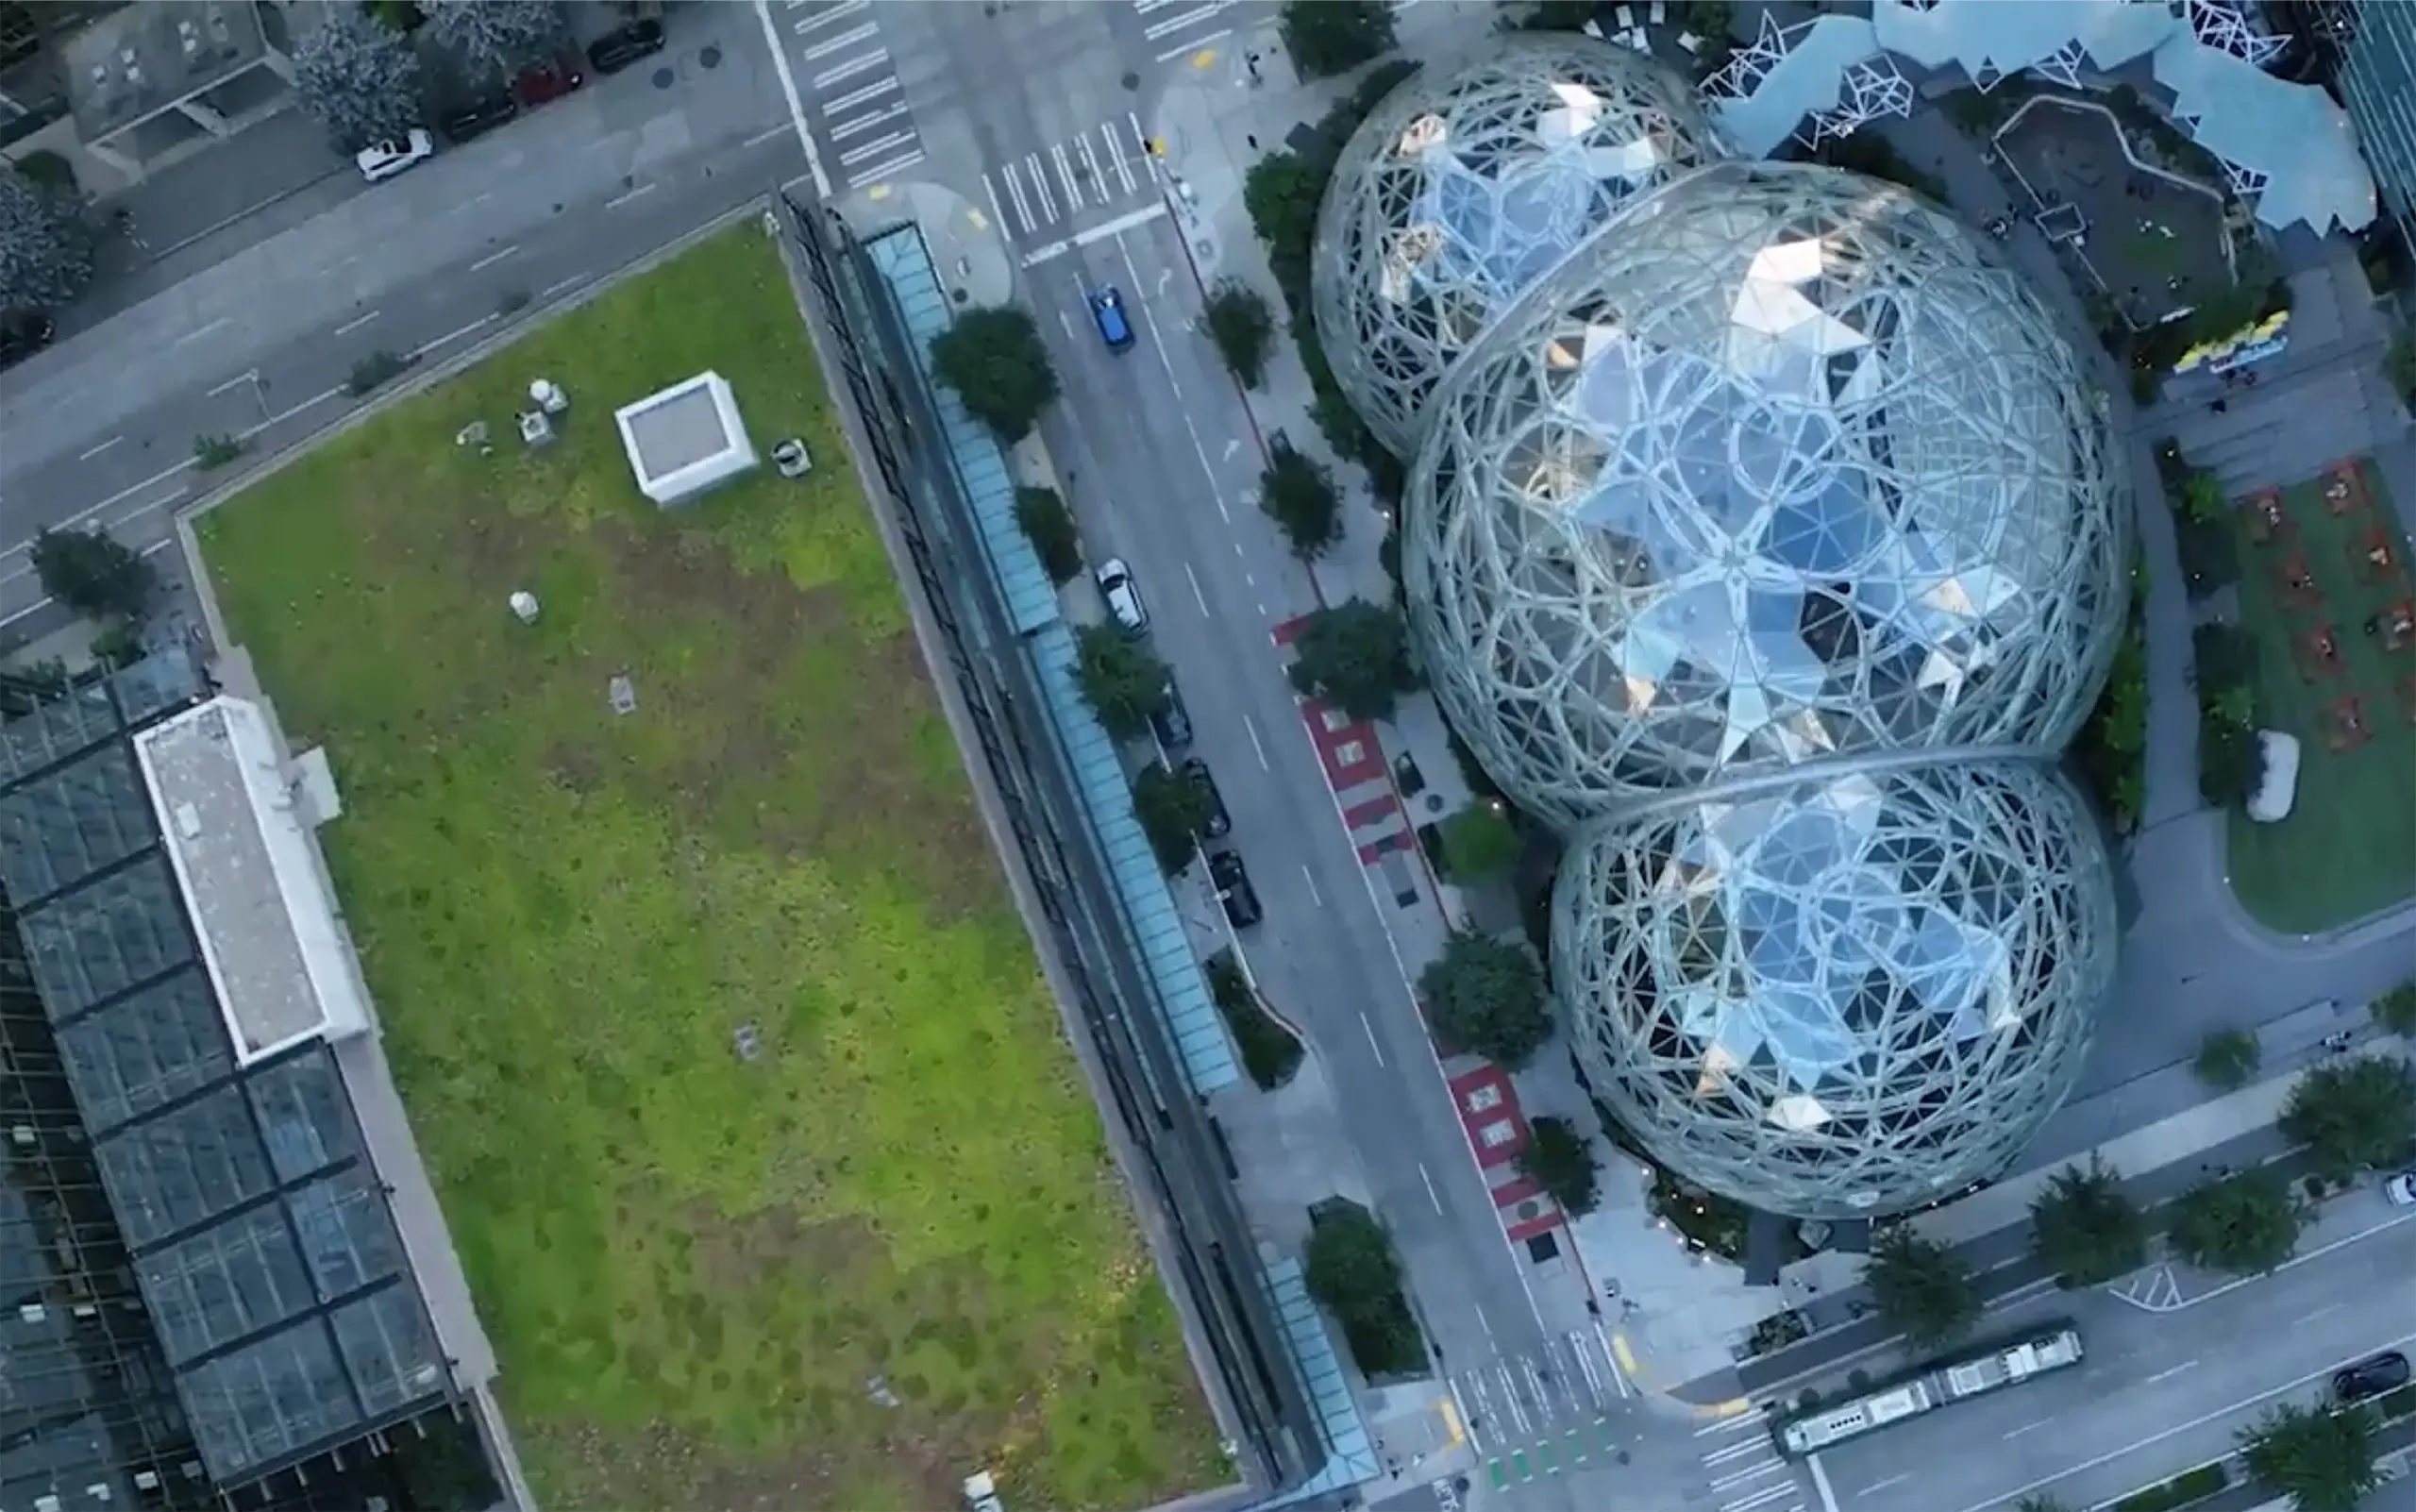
(1464, 187)
(1784, 465)
(1844, 992)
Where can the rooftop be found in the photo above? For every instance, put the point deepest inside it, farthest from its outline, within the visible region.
(138, 59)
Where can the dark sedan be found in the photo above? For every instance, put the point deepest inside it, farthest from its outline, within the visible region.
(2369, 1377)
(22, 335)
(615, 51)
(477, 118)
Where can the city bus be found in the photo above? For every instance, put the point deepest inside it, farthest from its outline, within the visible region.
(2051, 1347)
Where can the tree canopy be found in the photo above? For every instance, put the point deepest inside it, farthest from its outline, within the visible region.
(1486, 994)
(2395, 1010)
(496, 39)
(2245, 1223)
(1560, 1160)
(1481, 842)
(45, 248)
(1282, 192)
(1048, 524)
(1922, 1287)
(94, 574)
(1354, 656)
(1297, 494)
(996, 361)
(1350, 1267)
(2353, 1116)
(2227, 1059)
(1243, 328)
(2084, 1227)
(1173, 807)
(360, 80)
(1330, 37)
(2322, 1459)
(1121, 679)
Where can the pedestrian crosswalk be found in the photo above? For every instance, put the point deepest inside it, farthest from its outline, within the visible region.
(844, 67)
(1544, 1412)
(1181, 28)
(1105, 165)
(1745, 1470)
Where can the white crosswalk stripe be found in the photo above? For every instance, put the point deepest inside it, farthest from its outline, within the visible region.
(1744, 1471)
(1107, 167)
(1181, 28)
(845, 68)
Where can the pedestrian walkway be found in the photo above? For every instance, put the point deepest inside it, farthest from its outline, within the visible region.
(1181, 29)
(1541, 1414)
(844, 69)
(1047, 191)
(1745, 1470)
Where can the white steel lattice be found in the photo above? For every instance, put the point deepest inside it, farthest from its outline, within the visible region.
(1873, 90)
(2226, 24)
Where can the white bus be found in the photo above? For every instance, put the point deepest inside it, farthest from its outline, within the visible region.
(2052, 1347)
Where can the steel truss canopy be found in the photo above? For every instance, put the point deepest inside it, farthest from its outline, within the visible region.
(2286, 145)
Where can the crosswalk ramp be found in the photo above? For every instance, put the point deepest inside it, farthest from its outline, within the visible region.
(844, 70)
(1178, 28)
(1743, 1469)
(1106, 166)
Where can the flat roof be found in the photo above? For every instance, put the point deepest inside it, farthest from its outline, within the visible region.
(244, 864)
(676, 429)
(138, 59)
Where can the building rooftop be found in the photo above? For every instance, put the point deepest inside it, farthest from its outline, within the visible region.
(268, 931)
(685, 439)
(138, 59)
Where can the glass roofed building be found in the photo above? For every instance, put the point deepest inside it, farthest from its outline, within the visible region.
(1465, 186)
(211, 1298)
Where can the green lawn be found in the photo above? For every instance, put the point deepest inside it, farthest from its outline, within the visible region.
(2348, 848)
(693, 1265)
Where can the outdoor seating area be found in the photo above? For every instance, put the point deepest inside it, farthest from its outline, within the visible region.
(2327, 595)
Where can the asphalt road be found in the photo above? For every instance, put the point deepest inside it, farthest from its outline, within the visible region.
(2161, 1390)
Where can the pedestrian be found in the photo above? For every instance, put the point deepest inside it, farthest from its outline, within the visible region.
(2221, 407)
(1253, 143)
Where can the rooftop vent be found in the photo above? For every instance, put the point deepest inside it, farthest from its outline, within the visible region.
(188, 821)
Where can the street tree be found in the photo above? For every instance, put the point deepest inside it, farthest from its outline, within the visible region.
(1173, 808)
(94, 574)
(45, 247)
(2395, 1011)
(1282, 193)
(2320, 1457)
(1243, 328)
(1050, 525)
(357, 78)
(1330, 37)
(1121, 680)
(2084, 1227)
(2353, 1116)
(1481, 842)
(1348, 1264)
(1921, 1288)
(996, 361)
(1485, 995)
(496, 39)
(1559, 1159)
(1354, 656)
(2227, 1059)
(2246, 1223)
(1297, 494)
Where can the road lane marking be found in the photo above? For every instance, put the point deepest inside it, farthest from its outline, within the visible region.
(1040, 190)
(1173, 53)
(1316, 899)
(494, 257)
(427, 347)
(1196, 596)
(766, 135)
(1751, 1473)
(1370, 1028)
(105, 446)
(1892, 1480)
(199, 332)
(1255, 744)
(788, 93)
(1121, 224)
(839, 103)
(356, 323)
(2309, 1318)
(619, 200)
(1821, 1482)
(248, 376)
(842, 42)
(571, 282)
(861, 63)
(2028, 1426)
(1737, 1450)
(1730, 1425)
(1435, 1196)
(2167, 1375)
(288, 413)
(1761, 1497)
(1074, 200)
(823, 18)
(856, 125)
(875, 148)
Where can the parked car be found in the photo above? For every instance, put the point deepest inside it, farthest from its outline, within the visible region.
(477, 118)
(2400, 1190)
(549, 80)
(1107, 312)
(615, 51)
(22, 335)
(2369, 1377)
(1219, 822)
(1231, 878)
(381, 160)
(1123, 596)
(1171, 721)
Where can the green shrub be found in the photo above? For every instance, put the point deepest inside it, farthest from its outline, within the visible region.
(1270, 1051)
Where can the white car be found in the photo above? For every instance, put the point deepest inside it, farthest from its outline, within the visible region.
(1123, 598)
(381, 160)
(2401, 1190)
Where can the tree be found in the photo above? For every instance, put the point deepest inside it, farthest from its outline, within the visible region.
(1349, 1262)
(996, 362)
(360, 80)
(1173, 807)
(45, 247)
(1050, 525)
(1282, 193)
(1480, 842)
(2395, 1011)
(2323, 1459)
(1330, 37)
(496, 39)
(2245, 1223)
(1486, 994)
(2086, 1228)
(94, 574)
(2227, 1059)
(2354, 1116)
(1122, 683)
(1243, 328)
(1561, 1161)
(1297, 494)
(1353, 655)
(1922, 1287)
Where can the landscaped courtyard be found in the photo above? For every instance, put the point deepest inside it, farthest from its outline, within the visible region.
(752, 1115)
(2326, 597)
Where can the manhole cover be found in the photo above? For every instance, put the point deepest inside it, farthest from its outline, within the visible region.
(710, 56)
(662, 78)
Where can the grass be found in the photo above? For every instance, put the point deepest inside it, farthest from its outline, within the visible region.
(694, 1264)
(2348, 848)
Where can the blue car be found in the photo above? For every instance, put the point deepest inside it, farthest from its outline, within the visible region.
(1107, 311)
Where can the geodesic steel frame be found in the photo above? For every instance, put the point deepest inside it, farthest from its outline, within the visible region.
(1845, 992)
(1464, 186)
(1787, 465)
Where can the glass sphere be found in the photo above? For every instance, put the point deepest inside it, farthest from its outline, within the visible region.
(1782, 465)
(1842, 993)
(1465, 186)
